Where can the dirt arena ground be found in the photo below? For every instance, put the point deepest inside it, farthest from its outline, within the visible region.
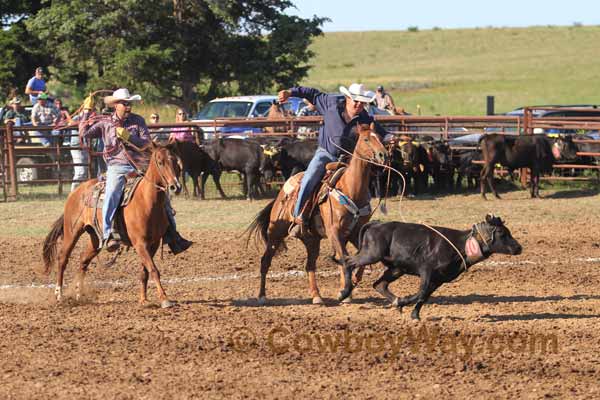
(512, 327)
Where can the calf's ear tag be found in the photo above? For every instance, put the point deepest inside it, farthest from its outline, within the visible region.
(472, 248)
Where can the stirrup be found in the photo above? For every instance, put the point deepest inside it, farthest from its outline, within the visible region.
(297, 228)
(112, 244)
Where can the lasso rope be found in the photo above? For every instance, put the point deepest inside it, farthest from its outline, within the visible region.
(389, 168)
(401, 197)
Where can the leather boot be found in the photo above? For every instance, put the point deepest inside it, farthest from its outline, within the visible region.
(180, 244)
(176, 243)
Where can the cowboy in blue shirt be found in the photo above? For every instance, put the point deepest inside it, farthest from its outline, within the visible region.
(340, 119)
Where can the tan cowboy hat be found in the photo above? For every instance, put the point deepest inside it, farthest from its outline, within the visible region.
(15, 100)
(357, 92)
(121, 95)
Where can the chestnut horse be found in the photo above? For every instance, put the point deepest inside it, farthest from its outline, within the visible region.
(145, 223)
(272, 224)
(277, 111)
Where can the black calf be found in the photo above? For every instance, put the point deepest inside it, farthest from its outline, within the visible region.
(416, 249)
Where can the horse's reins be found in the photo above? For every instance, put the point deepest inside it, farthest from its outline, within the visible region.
(388, 167)
(140, 171)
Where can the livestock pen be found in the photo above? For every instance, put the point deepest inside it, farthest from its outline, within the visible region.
(37, 165)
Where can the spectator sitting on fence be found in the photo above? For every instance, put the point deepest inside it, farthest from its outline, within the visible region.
(36, 85)
(16, 116)
(181, 133)
(44, 114)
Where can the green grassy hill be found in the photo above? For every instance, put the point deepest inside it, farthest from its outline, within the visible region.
(450, 72)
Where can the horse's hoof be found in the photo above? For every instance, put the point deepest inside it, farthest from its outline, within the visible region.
(317, 300)
(396, 303)
(166, 304)
(347, 300)
(262, 301)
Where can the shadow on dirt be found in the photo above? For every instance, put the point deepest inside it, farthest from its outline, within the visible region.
(493, 299)
(571, 194)
(533, 317)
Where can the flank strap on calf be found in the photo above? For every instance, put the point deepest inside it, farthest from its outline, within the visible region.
(350, 206)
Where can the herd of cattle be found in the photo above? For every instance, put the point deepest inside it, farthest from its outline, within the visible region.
(427, 165)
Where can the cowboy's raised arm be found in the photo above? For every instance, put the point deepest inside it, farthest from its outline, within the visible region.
(86, 130)
(322, 101)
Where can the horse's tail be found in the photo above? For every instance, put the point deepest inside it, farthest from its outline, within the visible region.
(362, 231)
(260, 225)
(50, 243)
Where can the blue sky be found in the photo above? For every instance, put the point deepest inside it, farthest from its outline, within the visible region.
(364, 15)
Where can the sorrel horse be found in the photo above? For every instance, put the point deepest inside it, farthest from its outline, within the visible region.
(277, 111)
(145, 223)
(271, 224)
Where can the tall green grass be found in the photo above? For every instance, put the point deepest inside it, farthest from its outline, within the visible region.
(450, 72)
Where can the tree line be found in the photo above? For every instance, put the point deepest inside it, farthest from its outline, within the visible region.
(181, 52)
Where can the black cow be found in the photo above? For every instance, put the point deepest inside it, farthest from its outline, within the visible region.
(415, 166)
(197, 163)
(385, 182)
(244, 156)
(416, 249)
(289, 156)
(441, 168)
(465, 168)
(527, 151)
(588, 148)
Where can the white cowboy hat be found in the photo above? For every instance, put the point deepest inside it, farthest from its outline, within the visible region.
(15, 100)
(121, 95)
(357, 92)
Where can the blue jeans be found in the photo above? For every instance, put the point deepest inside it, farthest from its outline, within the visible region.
(115, 183)
(312, 176)
(170, 213)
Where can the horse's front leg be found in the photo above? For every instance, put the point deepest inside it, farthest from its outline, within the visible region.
(146, 252)
(143, 277)
(358, 274)
(338, 241)
(87, 256)
(312, 244)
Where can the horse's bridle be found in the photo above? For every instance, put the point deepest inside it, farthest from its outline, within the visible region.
(373, 151)
(140, 172)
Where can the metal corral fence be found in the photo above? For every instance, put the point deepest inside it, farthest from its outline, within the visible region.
(25, 161)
